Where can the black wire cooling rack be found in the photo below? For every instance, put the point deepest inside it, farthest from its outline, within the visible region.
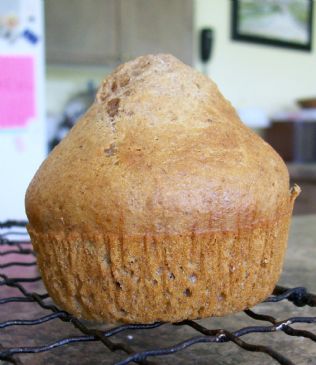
(14, 242)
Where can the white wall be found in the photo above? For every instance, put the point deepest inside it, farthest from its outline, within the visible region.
(63, 82)
(250, 75)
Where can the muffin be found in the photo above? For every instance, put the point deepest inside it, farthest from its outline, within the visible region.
(159, 205)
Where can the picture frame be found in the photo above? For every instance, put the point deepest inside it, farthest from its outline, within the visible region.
(280, 23)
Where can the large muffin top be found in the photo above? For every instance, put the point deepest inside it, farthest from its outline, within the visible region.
(159, 151)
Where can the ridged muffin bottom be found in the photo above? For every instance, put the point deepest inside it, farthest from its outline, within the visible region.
(148, 278)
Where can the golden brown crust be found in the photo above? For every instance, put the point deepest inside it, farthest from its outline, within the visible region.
(160, 169)
(174, 158)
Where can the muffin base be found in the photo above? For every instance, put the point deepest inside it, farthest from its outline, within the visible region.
(148, 278)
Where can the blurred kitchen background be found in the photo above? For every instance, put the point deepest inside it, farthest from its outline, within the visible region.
(54, 54)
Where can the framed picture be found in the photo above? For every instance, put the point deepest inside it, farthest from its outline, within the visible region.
(282, 23)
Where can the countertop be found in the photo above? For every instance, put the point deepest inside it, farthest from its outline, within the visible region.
(299, 270)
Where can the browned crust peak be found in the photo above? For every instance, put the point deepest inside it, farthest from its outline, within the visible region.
(161, 151)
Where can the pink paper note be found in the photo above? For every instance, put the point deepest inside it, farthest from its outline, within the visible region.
(17, 91)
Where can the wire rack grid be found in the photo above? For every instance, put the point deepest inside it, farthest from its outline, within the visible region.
(14, 242)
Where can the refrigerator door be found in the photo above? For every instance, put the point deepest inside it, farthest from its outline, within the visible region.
(22, 119)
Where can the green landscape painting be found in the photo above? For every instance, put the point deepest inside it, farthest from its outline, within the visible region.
(282, 20)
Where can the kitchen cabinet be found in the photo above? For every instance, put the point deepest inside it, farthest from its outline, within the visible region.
(107, 32)
(294, 140)
(151, 26)
(81, 31)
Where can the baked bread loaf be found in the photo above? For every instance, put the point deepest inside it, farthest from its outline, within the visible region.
(159, 205)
